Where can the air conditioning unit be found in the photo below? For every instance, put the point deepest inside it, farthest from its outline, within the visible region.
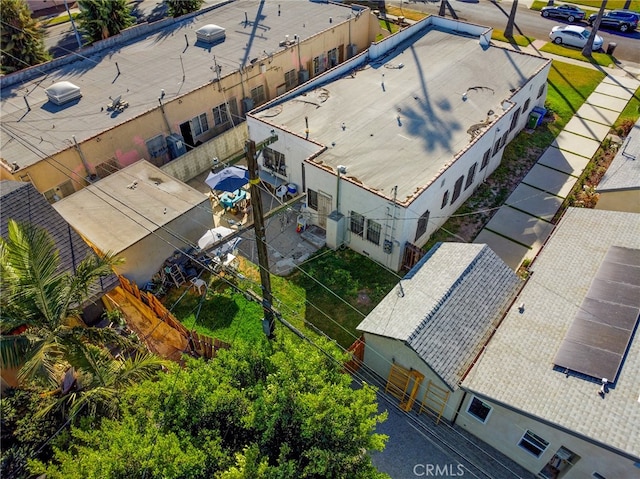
(352, 50)
(303, 76)
(176, 146)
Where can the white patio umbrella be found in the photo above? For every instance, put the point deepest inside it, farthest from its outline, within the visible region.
(214, 236)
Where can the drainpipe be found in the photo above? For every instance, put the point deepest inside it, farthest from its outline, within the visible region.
(164, 115)
(341, 170)
(73, 25)
(82, 158)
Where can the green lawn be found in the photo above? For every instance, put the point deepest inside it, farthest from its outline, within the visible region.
(520, 40)
(631, 112)
(334, 293)
(346, 288)
(601, 59)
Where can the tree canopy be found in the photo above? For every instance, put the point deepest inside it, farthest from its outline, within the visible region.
(22, 43)
(177, 8)
(101, 19)
(281, 409)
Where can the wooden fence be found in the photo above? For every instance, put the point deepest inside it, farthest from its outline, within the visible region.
(357, 354)
(198, 344)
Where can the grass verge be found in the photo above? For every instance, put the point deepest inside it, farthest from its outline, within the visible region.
(631, 112)
(520, 40)
(568, 87)
(602, 59)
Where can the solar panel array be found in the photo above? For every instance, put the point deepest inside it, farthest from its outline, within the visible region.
(599, 335)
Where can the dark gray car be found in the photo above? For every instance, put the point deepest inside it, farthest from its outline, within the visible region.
(618, 19)
(568, 12)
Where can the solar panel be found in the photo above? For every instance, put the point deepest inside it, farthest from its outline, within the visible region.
(600, 333)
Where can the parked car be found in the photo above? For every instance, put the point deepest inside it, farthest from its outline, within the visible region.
(574, 36)
(568, 12)
(623, 20)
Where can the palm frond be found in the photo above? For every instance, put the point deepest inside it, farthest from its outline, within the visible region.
(40, 362)
(138, 368)
(13, 350)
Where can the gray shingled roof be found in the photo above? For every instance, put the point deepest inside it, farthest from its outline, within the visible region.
(446, 307)
(624, 171)
(23, 203)
(516, 368)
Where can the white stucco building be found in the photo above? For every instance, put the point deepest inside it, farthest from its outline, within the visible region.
(389, 144)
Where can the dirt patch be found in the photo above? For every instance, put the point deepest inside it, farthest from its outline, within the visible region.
(363, 298)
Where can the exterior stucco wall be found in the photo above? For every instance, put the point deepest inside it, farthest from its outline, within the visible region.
(144, 259)
(504, 429)
(126, 142)
(379, 355)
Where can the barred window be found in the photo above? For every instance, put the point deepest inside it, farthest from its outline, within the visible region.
(445, 199)
(533, 443)
(356, 225)
(515, 118)
(312, 199)
(274, 160)
(457, 189)
(525, 107)
(541, 90)
(485, 159)
(422, 225)
(258, 96)
(290, 79)
(471, 176)
(373, 231)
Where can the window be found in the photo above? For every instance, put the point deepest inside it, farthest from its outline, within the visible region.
(485, 159)
(220, 114)
(274, 160)
(61, 191)
(533, 444)
(290, 79)
(257, 95)
(479, 410)
(105, 169)
(496, 147)
(200, 124)
(541, 90)
(316, 65)
(445, 199)
(312, 199)
(356, 225)
(333, 57)
(457, 189)
(514, 119)
(373, 231)
(471, 176)
(597, 475)
(503, 140)
(525, 107)
(422, 225)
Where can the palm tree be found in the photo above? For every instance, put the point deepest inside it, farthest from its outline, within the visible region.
(587, 51)
(22, 43)
(97, 383)
(508, 31)
(40, 303)
(177, 8)
(100, 19)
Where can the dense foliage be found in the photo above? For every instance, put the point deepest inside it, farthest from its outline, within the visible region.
(177, 8)
(101, 19)
(280, 409)
(22, 43)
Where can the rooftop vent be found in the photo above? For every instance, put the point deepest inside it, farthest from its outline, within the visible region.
(63, 92)
(210, 33)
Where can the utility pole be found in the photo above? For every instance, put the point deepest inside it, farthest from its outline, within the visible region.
(268, 323)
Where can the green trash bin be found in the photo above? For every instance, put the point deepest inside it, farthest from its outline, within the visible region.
(533, 120)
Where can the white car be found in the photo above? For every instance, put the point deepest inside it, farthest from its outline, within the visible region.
(574, 36)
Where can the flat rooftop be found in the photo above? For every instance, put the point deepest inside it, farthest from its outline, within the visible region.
(399, 125)
(129, 205)
(148, 64)
(517, 366)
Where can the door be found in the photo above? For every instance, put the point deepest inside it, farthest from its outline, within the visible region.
(185, 131)
(325, 206)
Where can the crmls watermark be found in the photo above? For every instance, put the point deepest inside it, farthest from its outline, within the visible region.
(438, 470)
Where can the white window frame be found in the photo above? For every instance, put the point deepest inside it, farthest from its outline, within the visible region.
(200, 125)
(529, 441)
(221, 115)
(478, 418)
